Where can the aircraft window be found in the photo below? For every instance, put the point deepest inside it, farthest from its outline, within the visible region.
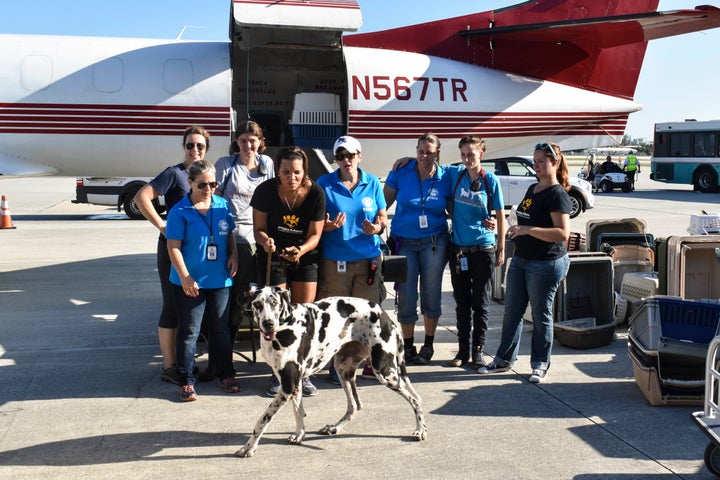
(36, 72)
(108, 75)
(178, 76)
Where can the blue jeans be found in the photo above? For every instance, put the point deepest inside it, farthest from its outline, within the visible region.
(471, 290)
(426, 259)
(212, 303)
(535, 281)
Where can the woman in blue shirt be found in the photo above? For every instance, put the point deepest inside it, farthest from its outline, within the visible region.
(419, 230)
(351, 259)
(204, 260)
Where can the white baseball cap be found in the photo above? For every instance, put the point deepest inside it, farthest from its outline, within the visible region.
(348, 143)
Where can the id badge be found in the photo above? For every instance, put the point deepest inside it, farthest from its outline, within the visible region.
(211, 252)
(463, 264)
(341, 266)
(423, 221)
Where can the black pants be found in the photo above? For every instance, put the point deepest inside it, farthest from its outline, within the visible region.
(471, 290)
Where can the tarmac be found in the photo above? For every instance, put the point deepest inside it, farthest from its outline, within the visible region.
(81, 397)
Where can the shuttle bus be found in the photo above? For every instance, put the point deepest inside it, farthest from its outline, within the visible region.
(687, 152)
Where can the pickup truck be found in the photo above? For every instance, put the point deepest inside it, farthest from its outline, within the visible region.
(114, 191)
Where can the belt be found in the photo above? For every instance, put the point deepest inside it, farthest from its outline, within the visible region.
(473, 248)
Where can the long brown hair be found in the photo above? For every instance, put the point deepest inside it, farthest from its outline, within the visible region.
(562, 170)
(253, 128)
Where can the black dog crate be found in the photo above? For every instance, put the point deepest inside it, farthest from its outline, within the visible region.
(583, 306)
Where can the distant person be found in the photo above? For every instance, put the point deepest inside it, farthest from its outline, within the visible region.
(477, 210)
(351, 259)
(631, 166)
(238, 175)
(204, 260)
(288, 219)
(539, 264)
(173, 184)
(608, 166)
(419, 231)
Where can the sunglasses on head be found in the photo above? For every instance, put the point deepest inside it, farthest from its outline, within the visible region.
(546, 147)
(190, 146)
(204, 185)
(343, 156)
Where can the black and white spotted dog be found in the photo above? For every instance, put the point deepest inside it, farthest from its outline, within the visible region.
(300, 339)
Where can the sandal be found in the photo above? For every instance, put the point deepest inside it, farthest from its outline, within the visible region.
(230, 385)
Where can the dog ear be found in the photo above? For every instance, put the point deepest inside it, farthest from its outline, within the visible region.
(250, 294)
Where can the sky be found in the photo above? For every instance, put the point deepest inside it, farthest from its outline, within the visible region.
(678, 79)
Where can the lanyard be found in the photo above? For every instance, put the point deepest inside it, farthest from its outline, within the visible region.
(204, 219)
(423, 199)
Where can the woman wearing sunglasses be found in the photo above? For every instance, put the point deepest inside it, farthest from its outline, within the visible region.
(539, 263)
(204, 260)
(238, 175)
(288, 219)
(351, 258)
(173, 184)
(477, 210)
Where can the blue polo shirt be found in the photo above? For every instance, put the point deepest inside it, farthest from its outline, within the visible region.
(186, 224)
(470, 208)
(349, 243)
(415, 198)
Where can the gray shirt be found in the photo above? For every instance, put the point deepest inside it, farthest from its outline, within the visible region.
(238, 185)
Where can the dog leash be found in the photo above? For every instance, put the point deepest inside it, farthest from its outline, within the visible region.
(267, 271)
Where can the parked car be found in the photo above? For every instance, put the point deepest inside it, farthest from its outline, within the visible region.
(114, 191)
(516, 174)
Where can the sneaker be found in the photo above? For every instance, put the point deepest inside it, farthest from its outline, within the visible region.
(538, 376)
(334, 378)
(187, 393)
(274, 387)
(170, 374)
(426, 353)
(368, 371)
(230, 385)
(411, 355)
(308, 389)
(493, 367)
(478, 358)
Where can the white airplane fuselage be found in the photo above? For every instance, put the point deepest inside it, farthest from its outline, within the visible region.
(84, 106)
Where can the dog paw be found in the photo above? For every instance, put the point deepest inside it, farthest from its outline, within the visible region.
(245, 452)
(296, 439)
(420, 435)
(329, 430)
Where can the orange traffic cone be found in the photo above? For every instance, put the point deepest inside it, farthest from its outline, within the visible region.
(6, 218)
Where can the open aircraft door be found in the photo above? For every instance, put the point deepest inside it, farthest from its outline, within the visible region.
(282, 49)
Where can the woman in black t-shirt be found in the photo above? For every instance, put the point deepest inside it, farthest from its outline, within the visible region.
(539, 264)
(288, 219)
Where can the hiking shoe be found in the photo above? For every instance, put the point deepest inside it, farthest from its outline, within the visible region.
(170, 374)
(187, 393)
(477, 359)
(411, 355)
(368, 371)
(334, 378)
(538, 376)
(426, 353)
(308, 389)
(230, 385)
(493, 367)
(273, 388)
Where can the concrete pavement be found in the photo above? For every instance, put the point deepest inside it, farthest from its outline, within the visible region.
(80, 395)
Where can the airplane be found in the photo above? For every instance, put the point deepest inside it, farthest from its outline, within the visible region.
(558, 70)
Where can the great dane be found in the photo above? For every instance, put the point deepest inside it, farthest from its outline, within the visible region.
(300, 339)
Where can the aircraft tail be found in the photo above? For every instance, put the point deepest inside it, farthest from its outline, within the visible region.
(598, 46)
